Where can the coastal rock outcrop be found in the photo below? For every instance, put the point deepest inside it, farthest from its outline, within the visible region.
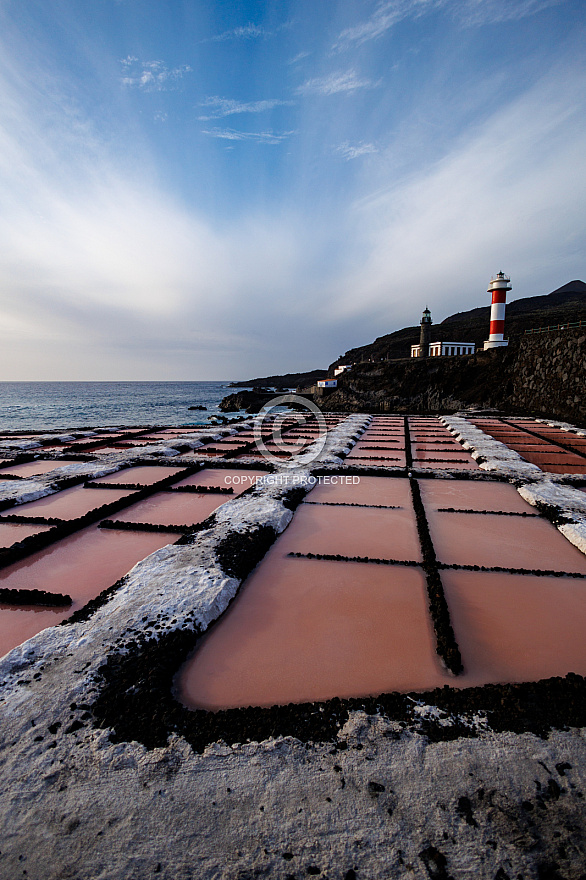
(543, 373)
(250, 401)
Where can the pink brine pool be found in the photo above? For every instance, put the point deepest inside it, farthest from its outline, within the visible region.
(10, 533)
(239, 480)
(516, 627)
(82, 566)
(472, 495)
(309, 630)
(504, 541)
(173, 508)
(348, 531)
(145, 475)
(68, 504)
(34, 468)
(343, 489)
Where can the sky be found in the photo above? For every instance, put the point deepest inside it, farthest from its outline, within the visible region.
(200, 190)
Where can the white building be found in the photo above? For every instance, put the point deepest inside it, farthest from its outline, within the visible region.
(445, 349)
(327, 383)
(342, 369)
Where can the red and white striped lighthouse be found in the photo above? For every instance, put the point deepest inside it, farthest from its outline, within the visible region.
(498, 287)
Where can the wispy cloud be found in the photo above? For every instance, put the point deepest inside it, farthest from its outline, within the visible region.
(151, 76)
(469, 12)
(435, 232)
(246, 32)
(353, 151)
(385, 16)
(261, 137)
(299, 57)
(482, 12)
(249, 31)
(221, 107)
(341, 81)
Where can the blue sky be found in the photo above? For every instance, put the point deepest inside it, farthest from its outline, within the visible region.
(211, 190)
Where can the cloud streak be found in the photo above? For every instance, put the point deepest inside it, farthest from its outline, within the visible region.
(151, 76)
(222, 107)
(385, 16)
(353, 151)
(471, 13)
(261, 137)
(245, 32)
(334, 83)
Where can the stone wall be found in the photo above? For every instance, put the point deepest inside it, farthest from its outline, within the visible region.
(548, 375)
(542, 374)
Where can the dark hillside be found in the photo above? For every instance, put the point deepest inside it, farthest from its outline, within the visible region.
(570, 296)
(288, 380)
(539, 374)
(564, 305)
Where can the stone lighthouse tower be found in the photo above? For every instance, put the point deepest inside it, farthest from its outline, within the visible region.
(425, 335)
(498, 287)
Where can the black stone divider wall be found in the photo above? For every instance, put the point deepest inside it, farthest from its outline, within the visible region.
(36, 455)
(377, 457)
(26, 546)
(351, 469)
(408, 452)
(204, 490)
(383, 448)
(434, 442)
(354, 504)
(338, 557)
(34, 597)
(446, 645)
(442, 460)
(537, 572)
(125, 526)
(222, 464)
(487, 512)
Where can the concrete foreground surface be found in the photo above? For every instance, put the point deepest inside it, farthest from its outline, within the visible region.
(496, 806)
(423, 794)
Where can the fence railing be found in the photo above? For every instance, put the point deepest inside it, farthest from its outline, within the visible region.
(570, 326)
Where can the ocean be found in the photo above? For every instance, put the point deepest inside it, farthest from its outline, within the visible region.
(36, 406)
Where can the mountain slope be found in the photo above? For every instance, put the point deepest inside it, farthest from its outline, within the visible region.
(566, 304)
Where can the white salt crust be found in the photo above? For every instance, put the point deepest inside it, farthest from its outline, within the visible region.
(21, 491)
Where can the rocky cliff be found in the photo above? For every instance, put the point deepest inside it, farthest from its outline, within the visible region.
(542, 374)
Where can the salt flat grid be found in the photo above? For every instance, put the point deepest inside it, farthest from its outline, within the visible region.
(232, 670)
(368, 527)
(551, 448)
(77, 559)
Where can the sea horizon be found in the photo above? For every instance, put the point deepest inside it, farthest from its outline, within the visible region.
(30, 405)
